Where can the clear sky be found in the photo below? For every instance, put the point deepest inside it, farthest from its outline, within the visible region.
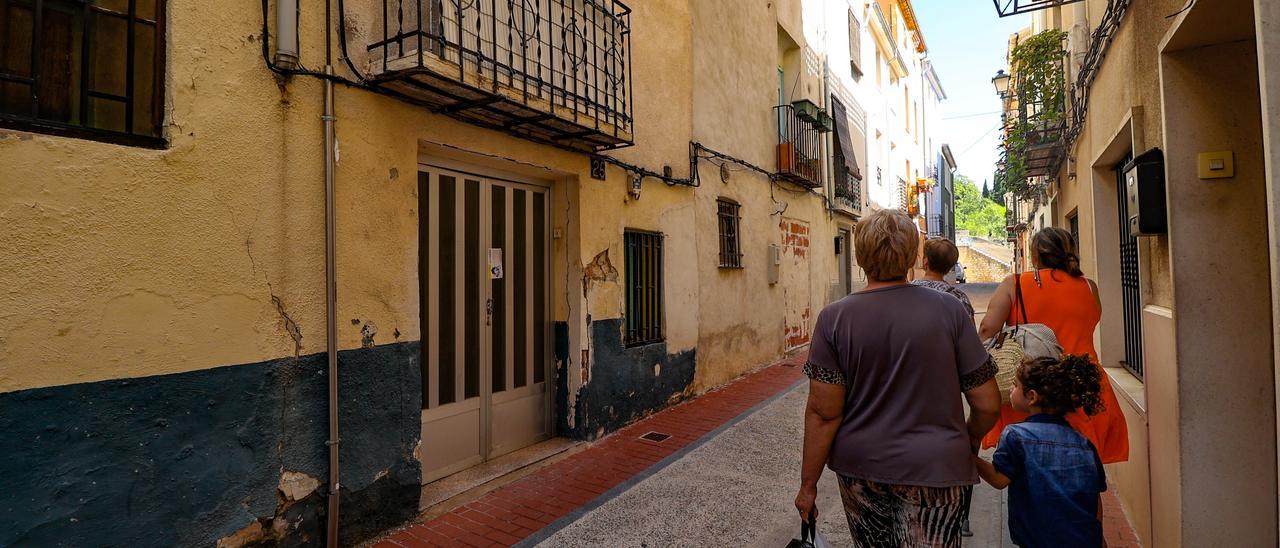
(967, 42)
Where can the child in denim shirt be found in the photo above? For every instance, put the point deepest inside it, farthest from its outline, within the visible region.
(1053, 473)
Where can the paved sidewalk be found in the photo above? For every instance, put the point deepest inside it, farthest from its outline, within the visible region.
(725, 477)
(514, 512)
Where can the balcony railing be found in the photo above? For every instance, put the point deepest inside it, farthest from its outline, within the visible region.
(799, 149)
(556, 71)
(1006, 8)
(848, 191)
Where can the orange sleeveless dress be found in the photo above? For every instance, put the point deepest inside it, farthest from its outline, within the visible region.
(1066, 305)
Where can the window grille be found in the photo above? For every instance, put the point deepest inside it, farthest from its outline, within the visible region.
(644, 287)
(730, 242)
(1073, 223)
(92, 69)
(848, 187)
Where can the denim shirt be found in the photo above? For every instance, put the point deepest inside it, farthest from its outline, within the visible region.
(1056, 476)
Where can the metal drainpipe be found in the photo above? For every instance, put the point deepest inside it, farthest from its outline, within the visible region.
(331, 283)
(331, 299)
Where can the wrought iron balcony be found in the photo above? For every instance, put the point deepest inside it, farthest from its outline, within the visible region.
(848, 191)
(799, 148)
(1006, 8)
(556, 71)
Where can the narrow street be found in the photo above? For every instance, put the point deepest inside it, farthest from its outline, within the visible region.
(430, 273)
(730, 486)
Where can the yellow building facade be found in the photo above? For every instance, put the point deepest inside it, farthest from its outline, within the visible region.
(545, 222)
(1187, 333)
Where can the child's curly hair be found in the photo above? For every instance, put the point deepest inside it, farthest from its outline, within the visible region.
(1063, 385)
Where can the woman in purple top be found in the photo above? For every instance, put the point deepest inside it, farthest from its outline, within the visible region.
(888, 366)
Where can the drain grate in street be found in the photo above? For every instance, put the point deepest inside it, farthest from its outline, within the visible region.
(658, 437)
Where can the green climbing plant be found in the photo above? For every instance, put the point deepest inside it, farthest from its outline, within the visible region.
(1041, 92)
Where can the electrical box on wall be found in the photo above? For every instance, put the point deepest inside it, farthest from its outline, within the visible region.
(774, 263)
(1145, 193)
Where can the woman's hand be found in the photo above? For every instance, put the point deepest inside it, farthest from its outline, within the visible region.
(806, 502)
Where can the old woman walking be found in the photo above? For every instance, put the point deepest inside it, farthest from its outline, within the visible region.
(887, 367)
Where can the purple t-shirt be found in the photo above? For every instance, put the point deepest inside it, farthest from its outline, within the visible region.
(901, 352)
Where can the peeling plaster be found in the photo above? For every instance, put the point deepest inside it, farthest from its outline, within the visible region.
(367, 333)
(296, 485)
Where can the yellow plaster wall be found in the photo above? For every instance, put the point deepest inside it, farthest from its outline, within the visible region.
(742, 317)
(130, 262)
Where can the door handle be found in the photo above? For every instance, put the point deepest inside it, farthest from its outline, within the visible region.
(488, 311)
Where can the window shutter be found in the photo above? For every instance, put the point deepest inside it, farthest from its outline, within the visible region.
(855, 45)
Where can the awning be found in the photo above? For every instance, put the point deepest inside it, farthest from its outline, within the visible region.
(845, 138)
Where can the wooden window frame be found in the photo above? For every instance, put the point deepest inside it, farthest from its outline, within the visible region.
(86, 15)
(855, 46)
(729, 220)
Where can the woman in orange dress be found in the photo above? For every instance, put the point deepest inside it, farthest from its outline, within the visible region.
(1058, 295)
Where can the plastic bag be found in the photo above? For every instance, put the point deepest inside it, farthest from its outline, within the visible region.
(809, 537)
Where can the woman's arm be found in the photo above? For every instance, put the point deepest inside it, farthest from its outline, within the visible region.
(984, 411)
(822, 418)
(1093, 287)
(989, 473)
(997, 309)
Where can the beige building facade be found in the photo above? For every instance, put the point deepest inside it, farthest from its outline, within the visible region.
(544, 222)
(1187, 333)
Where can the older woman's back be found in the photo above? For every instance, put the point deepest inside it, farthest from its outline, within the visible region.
(900, 352)
(887, 367)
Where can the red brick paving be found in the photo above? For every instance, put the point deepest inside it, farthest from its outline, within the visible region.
(1115, 526)
(512, 513)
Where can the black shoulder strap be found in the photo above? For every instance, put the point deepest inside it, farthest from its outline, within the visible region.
(1022, 305)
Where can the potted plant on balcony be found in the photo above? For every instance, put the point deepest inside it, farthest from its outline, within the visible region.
(805, 110)
(824, 123)
(1040, 117)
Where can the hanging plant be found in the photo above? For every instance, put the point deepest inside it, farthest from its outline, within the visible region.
(1040, 90)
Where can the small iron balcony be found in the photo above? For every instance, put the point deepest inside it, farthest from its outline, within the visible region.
(555, 71)
(799, 149)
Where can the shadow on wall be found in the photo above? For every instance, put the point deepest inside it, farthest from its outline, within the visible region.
(235, 453)
(625, 383)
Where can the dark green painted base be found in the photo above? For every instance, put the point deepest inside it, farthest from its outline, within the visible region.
(189, 458)
(624, 385)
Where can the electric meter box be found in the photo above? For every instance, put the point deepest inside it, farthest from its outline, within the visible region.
(1145, 193)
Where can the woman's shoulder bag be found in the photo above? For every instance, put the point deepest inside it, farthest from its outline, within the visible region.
(1022, 341)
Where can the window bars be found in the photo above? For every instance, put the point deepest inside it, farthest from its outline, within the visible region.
(92, 69)
(550, 70)
(727, 212)
(644, 287)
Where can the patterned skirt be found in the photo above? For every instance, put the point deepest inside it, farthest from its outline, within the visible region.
(892, 516)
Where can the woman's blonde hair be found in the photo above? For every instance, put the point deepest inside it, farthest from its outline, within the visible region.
(885, 244)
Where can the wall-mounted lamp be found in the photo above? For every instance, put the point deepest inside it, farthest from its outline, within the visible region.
(1001, 82)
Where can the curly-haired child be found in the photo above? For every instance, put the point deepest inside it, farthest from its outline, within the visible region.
(1053, 473)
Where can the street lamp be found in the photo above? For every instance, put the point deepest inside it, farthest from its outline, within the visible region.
(1001, 81)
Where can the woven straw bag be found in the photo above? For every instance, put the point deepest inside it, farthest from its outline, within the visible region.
(1018, 343)
(1008, 355)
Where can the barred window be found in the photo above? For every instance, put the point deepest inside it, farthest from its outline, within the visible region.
(83, 68)
(730, 240)
(1073, 222)
(644, 287)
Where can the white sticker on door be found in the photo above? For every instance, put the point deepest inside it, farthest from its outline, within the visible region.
(495, 263)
